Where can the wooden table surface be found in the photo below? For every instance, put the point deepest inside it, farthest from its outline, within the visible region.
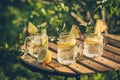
(110, 60)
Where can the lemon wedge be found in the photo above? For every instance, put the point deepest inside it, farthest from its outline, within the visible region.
(75, 30)
(44, 56)
(48, 57)
(66, 45)
(100, 26)
(32, 29)
(44, 41)
(88, 41)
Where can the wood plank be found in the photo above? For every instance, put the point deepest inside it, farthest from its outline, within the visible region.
(94, 65)
(80, 69)
(52, 46)
(33, 62)
(113, 42)
(112, 36)
(28, 58)
(112, 56)
(108, 63)
(112, 49)
(60, 68)
(53, 54)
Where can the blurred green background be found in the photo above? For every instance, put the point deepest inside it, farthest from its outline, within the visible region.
(14, 18)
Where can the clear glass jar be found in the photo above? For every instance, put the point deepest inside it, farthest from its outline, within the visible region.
(35, 43)
(93, 45)
(66, 49)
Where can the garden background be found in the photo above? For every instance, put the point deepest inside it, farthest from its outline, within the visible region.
(59, 15)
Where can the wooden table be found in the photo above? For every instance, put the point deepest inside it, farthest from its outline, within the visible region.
(109, 61)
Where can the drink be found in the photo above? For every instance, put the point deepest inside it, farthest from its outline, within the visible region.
(66, 49)
(36, 43)
(93, 45)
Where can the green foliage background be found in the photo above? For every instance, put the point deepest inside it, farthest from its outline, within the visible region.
(15, 15)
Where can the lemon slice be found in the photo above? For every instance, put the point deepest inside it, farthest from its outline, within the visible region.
(100, 27)
(89, 41)
(66, 45)
(44, 56)
(32, 29)
(75, 30)
(44, 41)
(48, 58)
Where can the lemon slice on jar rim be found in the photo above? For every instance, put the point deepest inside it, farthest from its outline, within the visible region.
(76, 31)
(100, 26)
(32, 29)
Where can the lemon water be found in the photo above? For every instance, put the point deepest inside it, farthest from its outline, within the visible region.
(66, 52)
(38, 43)
(93, 46)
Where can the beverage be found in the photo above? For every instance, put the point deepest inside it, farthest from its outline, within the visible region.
(36, 42)
(93, 45)
(66, 49)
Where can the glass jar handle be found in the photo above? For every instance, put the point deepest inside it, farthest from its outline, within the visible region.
(79, 50)
(26, 43)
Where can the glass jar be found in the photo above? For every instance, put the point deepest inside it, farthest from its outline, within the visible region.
(93, 45)
(35, 43)
(66, 49)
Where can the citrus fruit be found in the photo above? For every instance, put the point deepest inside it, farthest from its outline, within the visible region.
(75, 30)
(65, 45)
(44, 56)
(48, 57)
(89, 41)
(32, 29)
(44, 41)
(100, 26)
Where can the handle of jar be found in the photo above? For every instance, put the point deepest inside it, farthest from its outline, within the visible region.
(79, 47)
(27, 39)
